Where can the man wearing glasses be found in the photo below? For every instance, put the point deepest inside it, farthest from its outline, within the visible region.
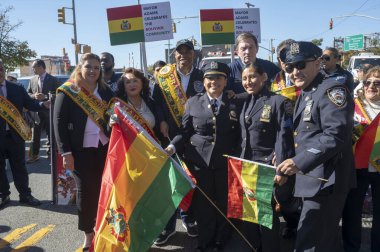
(331, 68)
(323, 121)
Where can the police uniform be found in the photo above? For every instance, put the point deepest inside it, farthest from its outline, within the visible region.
(322, 121)
(206, 135)
(342, 76)
(266, 128)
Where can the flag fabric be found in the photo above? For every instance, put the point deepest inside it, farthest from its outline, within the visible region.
(217, 26)
(250, 188)
(291, 92)
(141, 189)
(367, 148)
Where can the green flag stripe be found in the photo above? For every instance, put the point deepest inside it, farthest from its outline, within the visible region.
(156, 206)
(264, 187)
(218, 38)
(130, 37)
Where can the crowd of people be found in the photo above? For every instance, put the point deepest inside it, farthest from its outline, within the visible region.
(234, 109)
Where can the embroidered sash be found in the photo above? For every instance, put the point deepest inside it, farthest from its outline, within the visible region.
(173, 92)
(132, 112)
(278, 83)
(89, 103)
(14, 119)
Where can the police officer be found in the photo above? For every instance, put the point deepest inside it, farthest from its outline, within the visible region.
(210, 128)
(322, 121)
(266, 130)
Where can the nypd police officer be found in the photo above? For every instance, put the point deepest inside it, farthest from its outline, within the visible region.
(323, 124)
(210, 128)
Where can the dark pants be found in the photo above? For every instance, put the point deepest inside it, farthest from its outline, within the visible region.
(212, 227)
(15, 153)
(36, 136)
(89, 165)
(318, 228)
(352, 213)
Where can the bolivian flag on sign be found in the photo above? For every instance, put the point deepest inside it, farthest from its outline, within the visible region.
(141, 189)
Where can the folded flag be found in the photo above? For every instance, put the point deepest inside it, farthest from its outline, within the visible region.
(250, 188)
(141, 189)
(291, 92)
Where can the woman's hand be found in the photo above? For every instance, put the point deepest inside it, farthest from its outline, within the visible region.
(280, 180)
(68, 162)
(169, 150)
(164, 128)
(113, 120)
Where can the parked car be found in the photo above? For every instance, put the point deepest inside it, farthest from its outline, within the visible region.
(361, 59)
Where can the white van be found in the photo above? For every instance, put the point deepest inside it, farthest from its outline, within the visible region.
(360, 59)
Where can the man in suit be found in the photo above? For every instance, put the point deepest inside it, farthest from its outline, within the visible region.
(323, 121)
(191, 80)
(12, 145)
(210, 129)
(39, 88)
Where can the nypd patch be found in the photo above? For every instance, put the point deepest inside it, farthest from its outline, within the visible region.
(337, 95)
(198, 86)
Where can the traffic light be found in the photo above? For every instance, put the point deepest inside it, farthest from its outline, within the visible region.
(61, 15)
(273, 50)
(331, 23)
(78, 48)
(64, 51)
(86, 49)
(174, 28)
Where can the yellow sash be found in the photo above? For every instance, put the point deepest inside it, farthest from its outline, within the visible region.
(278, 83)
(14, 119)
(132, 112)
(173, 92)
(89, 103)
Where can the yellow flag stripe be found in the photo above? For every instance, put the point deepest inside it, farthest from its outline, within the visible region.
(36, 237)
(249, 179)
(15, 235)
(226, 26)
(114, 26)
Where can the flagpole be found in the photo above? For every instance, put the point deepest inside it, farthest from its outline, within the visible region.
(273, 167)
(217, 208)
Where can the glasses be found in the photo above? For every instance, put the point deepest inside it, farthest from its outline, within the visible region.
(376, 83)
(299, 66)
(326, 58)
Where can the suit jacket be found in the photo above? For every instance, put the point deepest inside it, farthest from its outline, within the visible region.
(20, 99)
(323, 122)
(261, 139)
(70, 121)
(50, 85)
(194, 87)
(204, 136)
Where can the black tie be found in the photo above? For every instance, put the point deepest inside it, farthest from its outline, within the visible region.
(214, 104)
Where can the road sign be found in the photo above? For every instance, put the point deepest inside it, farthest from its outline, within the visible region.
(355, 42)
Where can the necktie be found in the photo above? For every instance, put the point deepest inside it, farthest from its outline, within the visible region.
(41, 84)
(214, 104)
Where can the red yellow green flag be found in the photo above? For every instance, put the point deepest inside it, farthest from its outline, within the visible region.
(250, 186)
(141, 189)
(217, 26)
(291, 92)
(125, 25)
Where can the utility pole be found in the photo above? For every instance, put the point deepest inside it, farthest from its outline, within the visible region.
(75, 30)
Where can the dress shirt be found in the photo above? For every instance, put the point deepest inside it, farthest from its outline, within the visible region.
(41, 79)
(92, 133)
(185, 78)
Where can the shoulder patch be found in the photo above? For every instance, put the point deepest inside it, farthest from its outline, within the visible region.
(198, 86)
(337, 95)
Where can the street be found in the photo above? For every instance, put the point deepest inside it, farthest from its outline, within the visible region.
(54, 228)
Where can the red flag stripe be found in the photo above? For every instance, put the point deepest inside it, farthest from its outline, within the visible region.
(124, 12)
(235, 189)
(217, 15)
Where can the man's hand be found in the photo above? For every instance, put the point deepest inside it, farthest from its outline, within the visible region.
(164, 128)
(280, 180)
(288, 167)
(46, 104)
(169, 150)
(68, 162)
(39, 96)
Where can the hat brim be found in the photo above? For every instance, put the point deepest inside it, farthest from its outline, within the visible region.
(214, 74)
(191, 48)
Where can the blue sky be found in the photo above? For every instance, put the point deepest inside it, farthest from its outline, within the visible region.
(297, 19)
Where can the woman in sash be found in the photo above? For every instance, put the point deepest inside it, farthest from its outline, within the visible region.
(134, 96)
(367, 107)
(82, 135)
(266, 130)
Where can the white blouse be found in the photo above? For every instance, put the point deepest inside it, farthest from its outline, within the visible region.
(145, 112)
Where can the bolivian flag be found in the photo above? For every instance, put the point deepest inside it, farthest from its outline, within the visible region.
(125, 25)
(367, 148)
(250, 188)
(141, 189)
(291, 92)
(217, 26)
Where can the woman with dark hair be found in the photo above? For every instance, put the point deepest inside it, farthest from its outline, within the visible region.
(82, 133)
(367, 107)
(133, 96)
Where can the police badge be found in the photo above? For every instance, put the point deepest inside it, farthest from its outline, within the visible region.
(265, 115)
(294, 48)
(198, 86)
(214, 65)
(307, 111)
(337, 95)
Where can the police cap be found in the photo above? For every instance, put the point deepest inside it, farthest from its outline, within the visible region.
(214, 68)
(300, 51)
(185, 42)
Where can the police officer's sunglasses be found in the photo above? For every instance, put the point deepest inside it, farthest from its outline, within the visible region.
(298, 65)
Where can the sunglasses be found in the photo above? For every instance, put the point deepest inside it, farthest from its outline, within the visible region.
(299, 66)
(376, 83)
(326, 58)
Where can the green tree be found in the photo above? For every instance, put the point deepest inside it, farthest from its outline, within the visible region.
(317, 42)
(13, 52)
